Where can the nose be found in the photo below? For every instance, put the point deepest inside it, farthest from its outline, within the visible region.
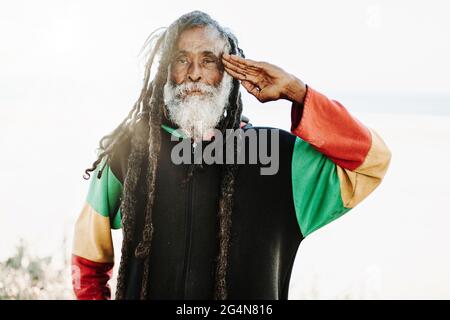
(194, 72)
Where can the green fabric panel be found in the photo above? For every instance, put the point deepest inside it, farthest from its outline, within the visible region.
(172, 131)
(104, 194)
(116, 221)
(316, 188)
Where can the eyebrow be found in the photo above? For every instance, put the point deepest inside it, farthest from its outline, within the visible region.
(206, 53)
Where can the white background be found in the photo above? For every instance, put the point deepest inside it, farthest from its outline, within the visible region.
(70, 71)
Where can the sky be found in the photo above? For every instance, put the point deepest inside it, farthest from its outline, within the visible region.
(355, 46)
(70, 71)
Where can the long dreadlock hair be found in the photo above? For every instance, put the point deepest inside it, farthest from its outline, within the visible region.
(143, 122)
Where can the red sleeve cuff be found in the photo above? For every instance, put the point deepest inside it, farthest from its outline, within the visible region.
(331, 129)
(90, 279)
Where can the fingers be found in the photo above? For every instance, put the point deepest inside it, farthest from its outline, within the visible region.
(243, 63)
(240, 63)
(245, 70)
(229, 66)
(239, 68)
(251, 88)
(235, 74)
(242, 74)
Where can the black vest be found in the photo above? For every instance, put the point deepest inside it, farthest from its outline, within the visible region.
(264, 235)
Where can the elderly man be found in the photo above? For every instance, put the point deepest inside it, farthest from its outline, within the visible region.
(221, 230)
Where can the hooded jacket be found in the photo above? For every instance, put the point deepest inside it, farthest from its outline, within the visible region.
(328, 163)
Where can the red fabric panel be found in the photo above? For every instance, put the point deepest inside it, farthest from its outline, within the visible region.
(331, 129)
(90, 279)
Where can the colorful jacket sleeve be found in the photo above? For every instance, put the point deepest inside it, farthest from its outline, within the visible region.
(92, 253)
(337, 161)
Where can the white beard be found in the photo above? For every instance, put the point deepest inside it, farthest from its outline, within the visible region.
(197, 115)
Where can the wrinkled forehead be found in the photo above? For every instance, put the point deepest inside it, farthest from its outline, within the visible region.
(197, 40)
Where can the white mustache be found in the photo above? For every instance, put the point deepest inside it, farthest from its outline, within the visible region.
(184, 89)
(196, 107)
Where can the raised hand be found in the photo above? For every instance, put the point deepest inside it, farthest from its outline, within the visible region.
(263, 80)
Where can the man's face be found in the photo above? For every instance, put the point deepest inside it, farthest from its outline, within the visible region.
(197, 89)
(197, 58)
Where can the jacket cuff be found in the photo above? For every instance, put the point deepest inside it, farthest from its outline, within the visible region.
(90, 279)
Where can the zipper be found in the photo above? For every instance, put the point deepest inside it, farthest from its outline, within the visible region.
(188, 228)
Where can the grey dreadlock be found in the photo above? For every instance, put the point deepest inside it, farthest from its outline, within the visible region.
(145, 147)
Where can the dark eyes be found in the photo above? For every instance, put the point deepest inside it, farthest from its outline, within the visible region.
(206, 61)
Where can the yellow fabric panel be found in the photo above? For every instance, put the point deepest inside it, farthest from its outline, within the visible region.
(358, 184)
(92, 238)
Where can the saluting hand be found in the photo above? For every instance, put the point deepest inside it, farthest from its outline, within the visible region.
(263, 80)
